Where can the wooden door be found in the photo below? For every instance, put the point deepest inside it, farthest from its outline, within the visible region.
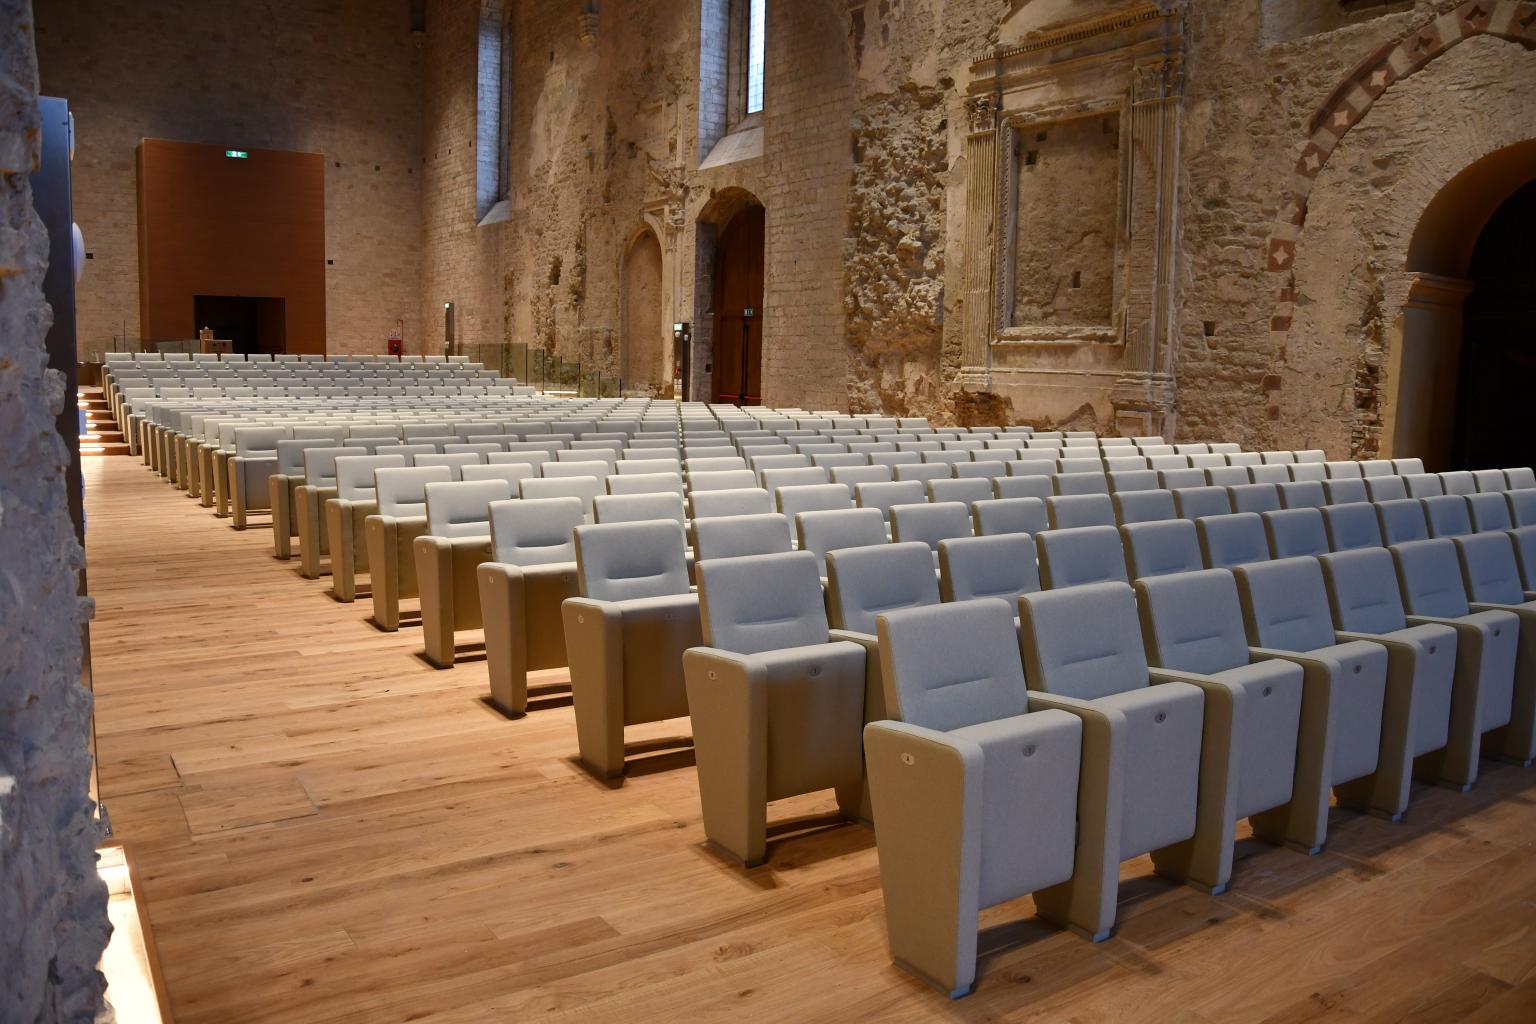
(738, 348)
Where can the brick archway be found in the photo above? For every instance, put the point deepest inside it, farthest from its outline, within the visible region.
(1347, 105)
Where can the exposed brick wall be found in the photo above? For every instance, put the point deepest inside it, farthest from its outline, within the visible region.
(338, 77)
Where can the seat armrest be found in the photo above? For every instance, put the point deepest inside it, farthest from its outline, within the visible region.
(877, 702)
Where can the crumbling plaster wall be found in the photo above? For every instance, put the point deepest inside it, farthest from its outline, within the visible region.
(53, 906)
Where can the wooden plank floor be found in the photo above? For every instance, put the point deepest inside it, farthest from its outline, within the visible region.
(330, 830)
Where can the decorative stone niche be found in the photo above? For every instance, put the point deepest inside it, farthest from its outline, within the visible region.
(1072, 218)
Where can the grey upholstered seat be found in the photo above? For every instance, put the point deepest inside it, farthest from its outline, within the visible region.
(346, 517)
(929, 524)
(1030, 487)
(743, 501)
(1345, 491)
(1421, 667)
(286, 479)
(1422, 485)
(636, 508)
(309, 500)
(1522, 506)
(1447, 515)
(965, 823)
(1270, 472)
(885, 494)
(1001, 566)
(1254, 498)
(1082, 483)
(530, 570)
(855, 475)
(1385, 488)
(1489, 512)
(457, 540)
(739, 536)
(724, 480)
(627, 634)
(641, 483)
(1491, 572)
(587, 488)
(1429, 577)
(966, 490)
(823, 532)
(1302, 494)
(1078, 510)
(777, 704)
(1295, 531)
(922, 471)
(791, 501)
(1161, 548)
(1088, 554)
(1195, 502)
(1123, 481)
(1352, 526)
(1174, 479)
(1193, 632)
(253, 464)
(1286, 612)
(1009, 515)
(1083, 654)
(1401, 520)
(1459, 482)
(1143, 506)
(1519, 478)
(389, 533)
(512, 472)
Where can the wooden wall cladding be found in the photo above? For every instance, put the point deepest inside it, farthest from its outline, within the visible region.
(210, 224)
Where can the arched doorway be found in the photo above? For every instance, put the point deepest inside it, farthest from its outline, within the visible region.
(737, 351)
(1498, 344)
(644, 334)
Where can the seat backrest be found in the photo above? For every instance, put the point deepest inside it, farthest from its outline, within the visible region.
(316, 431)
(722, 480)
(638, 508)
(1343, 470)
(290, 454)
(1345, 491)
(922, 471)
(1522, 506)
(1160, 548)
(1122, 481)
(455, 462)
(1192, 622)
(459, 509)
(1519, 478)
(743, 501)
(320, 465)
(1362, 591)
(1009, 515)
(798, 476)
(575, 467)
(1229, 541)
(967, 490)
(1143, 506)
(929, 524)
(646, 483)
(1082, 483)
(511, 472)
(1447, 515)
(1001, 566)
(812, 498)
(1385, 488)
(1194, 502)
(1062, 657)
(1270, 472)
(1372, 468)
(534, 531)
(1254, 497)
(887, 494)
(1023, 487)
(587, 488)
(402, 494)
(1524, 540)
(1079, 510)
(625, 561)
(855, 475)
(1171, 479)
(1401, 521)
(1285, 604)
(1489, 512)
(949, 666)
(766, 533)
(354, 474)
(763, 602)
(1294, 532)
(1227, 476)
(1302, 494)
(1422, 485)
(259, 442)
(1459, 482)
(832, 530)
(1488, 568)
(1352, 526)
(862, 582)
(1087, 554)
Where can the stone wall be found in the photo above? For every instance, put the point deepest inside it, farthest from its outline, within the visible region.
(53, 906)
(339, 78)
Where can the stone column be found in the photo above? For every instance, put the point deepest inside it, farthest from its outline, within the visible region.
(981, 213)
(1144, 396)
(53, 906)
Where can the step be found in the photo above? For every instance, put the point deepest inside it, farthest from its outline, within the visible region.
(90, 450)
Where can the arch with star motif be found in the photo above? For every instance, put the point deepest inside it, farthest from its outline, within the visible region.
(1348, 104)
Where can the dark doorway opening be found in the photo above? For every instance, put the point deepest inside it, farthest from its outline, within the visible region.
(1498, 349)
(738, 304)
(251, 323)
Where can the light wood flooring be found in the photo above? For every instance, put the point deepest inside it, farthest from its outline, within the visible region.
(327, 829)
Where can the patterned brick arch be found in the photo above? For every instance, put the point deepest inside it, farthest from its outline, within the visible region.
(1347, 105)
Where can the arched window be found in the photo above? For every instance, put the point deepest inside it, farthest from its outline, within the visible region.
(732, 63)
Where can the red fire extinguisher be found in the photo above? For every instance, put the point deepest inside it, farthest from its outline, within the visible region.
(396, 341)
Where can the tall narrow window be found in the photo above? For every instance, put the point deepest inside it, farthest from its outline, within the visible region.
(756, 23)
(492, 95)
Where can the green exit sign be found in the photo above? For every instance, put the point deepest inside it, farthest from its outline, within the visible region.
(236, 154)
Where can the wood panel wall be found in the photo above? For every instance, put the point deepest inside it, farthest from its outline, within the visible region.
(213, 225)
